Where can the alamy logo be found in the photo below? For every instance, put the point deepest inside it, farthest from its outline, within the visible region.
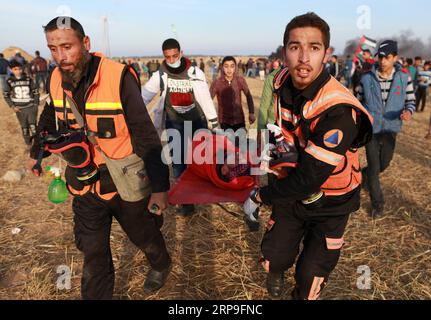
(64, 278)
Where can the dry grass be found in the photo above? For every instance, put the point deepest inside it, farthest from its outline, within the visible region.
(214, 255)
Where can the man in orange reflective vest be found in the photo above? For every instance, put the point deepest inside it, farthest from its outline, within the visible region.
(107, 97)
(326, 124)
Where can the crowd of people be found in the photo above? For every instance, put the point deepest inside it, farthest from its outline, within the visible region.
(321, 124)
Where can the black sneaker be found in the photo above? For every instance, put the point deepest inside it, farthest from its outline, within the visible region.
(156, 279)
(186, 210)
(275, 284)
(253, 226)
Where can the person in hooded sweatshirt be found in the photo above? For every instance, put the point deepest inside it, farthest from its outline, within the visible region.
(227, 88)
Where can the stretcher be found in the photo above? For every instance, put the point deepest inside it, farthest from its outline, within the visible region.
(200, 183)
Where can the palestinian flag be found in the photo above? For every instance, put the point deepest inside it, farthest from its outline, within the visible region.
(364, 42)
(367, 42)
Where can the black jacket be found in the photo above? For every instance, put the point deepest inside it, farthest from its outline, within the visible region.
(145, 140)
(310, 174)
(21, 93)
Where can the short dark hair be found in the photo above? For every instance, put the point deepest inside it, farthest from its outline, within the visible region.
(37, 53)
(409, 61)
(228, 58)
(62, 22)
(14, 64)
(335, 56)
(366, 50)
(418, 58)
(171, 43)
(1, 55)
(309, 19)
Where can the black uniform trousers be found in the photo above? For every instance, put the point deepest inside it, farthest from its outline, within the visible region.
(93, 218)
(322, 238)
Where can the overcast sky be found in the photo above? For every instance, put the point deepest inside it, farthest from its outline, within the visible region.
(208, 26)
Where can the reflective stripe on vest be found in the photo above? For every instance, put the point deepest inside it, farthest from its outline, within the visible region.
(285, 114)
(323, 155)
(346, 176)
(103, 103)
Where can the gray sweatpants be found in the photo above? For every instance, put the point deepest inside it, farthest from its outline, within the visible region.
(27, 118)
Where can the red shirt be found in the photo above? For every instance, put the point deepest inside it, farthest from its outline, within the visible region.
(229, 99)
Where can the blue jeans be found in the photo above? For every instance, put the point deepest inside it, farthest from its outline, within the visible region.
(380, 151)
(250, 73)
(179, 168)
(41, 78)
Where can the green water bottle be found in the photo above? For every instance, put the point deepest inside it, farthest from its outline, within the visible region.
(57, 191)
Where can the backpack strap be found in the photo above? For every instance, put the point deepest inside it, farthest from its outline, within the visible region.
(162, 84)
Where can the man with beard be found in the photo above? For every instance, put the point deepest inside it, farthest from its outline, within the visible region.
(185, 103)
(107, 99)
(326, 124)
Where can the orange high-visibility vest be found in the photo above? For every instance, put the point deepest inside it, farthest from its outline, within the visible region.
(103, 100)
(347, 174)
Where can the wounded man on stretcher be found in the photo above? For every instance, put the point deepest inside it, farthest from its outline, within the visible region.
(224, 171)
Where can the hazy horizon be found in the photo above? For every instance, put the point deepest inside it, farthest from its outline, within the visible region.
(206, 27)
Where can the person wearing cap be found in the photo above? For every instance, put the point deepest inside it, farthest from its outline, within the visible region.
(386, 91)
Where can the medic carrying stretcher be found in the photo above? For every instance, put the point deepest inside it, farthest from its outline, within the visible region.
(223, 172)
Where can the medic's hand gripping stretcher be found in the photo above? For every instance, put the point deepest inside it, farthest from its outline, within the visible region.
(203, 182)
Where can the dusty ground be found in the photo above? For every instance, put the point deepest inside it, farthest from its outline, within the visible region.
(214, 255)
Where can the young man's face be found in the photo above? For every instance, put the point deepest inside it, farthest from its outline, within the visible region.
(172, 55)
(418, 62)
(427, 67)
(17, 72)
(305, 55)
(387, 63)
(366, 55)
(67, 49)
(229, 68)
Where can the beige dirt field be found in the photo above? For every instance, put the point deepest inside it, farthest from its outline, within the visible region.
(214, 254)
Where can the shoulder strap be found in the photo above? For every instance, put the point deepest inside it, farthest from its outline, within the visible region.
(80, 120)
(78, 117)
(162, 84)
(279, 78)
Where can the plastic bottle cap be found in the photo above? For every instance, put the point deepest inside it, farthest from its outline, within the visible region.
(56, 172)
